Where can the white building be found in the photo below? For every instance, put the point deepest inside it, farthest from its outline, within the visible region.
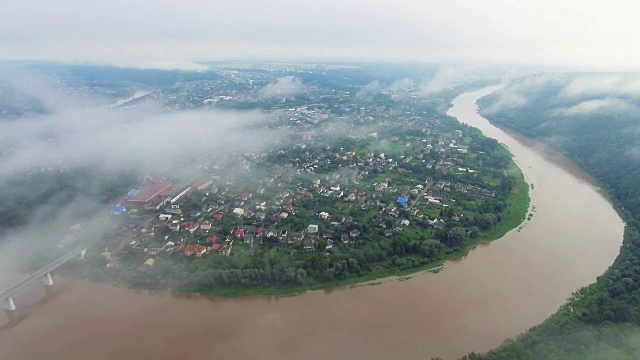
(238, 211)
(312, 229)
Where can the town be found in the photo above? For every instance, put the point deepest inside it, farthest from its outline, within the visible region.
(368, 180)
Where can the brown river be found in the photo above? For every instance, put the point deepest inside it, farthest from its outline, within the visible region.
(498, 291)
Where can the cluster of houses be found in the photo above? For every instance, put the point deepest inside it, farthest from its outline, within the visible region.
(230, 213)
(314, 166)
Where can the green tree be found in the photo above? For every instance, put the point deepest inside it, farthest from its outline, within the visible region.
(456, 236)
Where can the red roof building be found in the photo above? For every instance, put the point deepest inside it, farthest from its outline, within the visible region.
(217, 216)
(259, 232)
(239, 233)
(196, 250)
(216, 247)
(150, 193)
(213, 239)
(191, 226)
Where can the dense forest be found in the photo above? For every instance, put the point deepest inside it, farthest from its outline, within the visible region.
(593, 120)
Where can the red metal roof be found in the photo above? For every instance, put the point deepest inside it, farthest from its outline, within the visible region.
(189, 225)
(151, 191)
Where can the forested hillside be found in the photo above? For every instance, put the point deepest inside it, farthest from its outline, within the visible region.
(595, 121)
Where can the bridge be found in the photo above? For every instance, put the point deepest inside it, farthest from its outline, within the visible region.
(44, 273)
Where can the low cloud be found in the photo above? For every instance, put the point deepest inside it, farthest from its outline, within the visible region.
(282, 87)
(371, 89)
(375, 87)
(596, 106)
(603, 85)
(516, 94)
(569, 95)
(445, 78)
(401, 84)
(508, 100)
(125, 139)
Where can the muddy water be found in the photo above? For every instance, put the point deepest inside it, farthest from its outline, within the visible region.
(498, 291)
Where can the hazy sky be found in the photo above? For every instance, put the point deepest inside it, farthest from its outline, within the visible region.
(163, 33)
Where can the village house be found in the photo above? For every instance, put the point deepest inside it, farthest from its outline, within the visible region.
(296, 237)
(328, 234)
(238, 212)
(191, 226)
(175, 225)
(205, 225)
(282, 235)
(195, 250)
(312, 229)
(382, 186)
(329, 245)
(345, 238)
(309, 244)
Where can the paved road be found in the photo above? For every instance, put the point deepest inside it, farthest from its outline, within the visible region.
(40, 273)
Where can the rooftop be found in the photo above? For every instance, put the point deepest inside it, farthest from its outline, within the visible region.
(151, 191)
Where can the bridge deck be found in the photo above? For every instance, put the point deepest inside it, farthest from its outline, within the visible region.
(42, 271)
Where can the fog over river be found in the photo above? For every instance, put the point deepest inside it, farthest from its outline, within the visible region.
(497, 291)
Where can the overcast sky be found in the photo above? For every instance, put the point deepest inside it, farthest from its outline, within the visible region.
(163, 33)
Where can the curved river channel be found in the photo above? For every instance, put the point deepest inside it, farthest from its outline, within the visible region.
(498, 291)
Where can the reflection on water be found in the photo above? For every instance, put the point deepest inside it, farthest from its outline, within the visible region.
(497, 291)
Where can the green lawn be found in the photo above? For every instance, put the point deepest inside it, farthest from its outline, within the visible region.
(517, 207)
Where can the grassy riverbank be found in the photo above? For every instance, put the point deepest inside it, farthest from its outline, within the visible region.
(372, 278)
(517, 206)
